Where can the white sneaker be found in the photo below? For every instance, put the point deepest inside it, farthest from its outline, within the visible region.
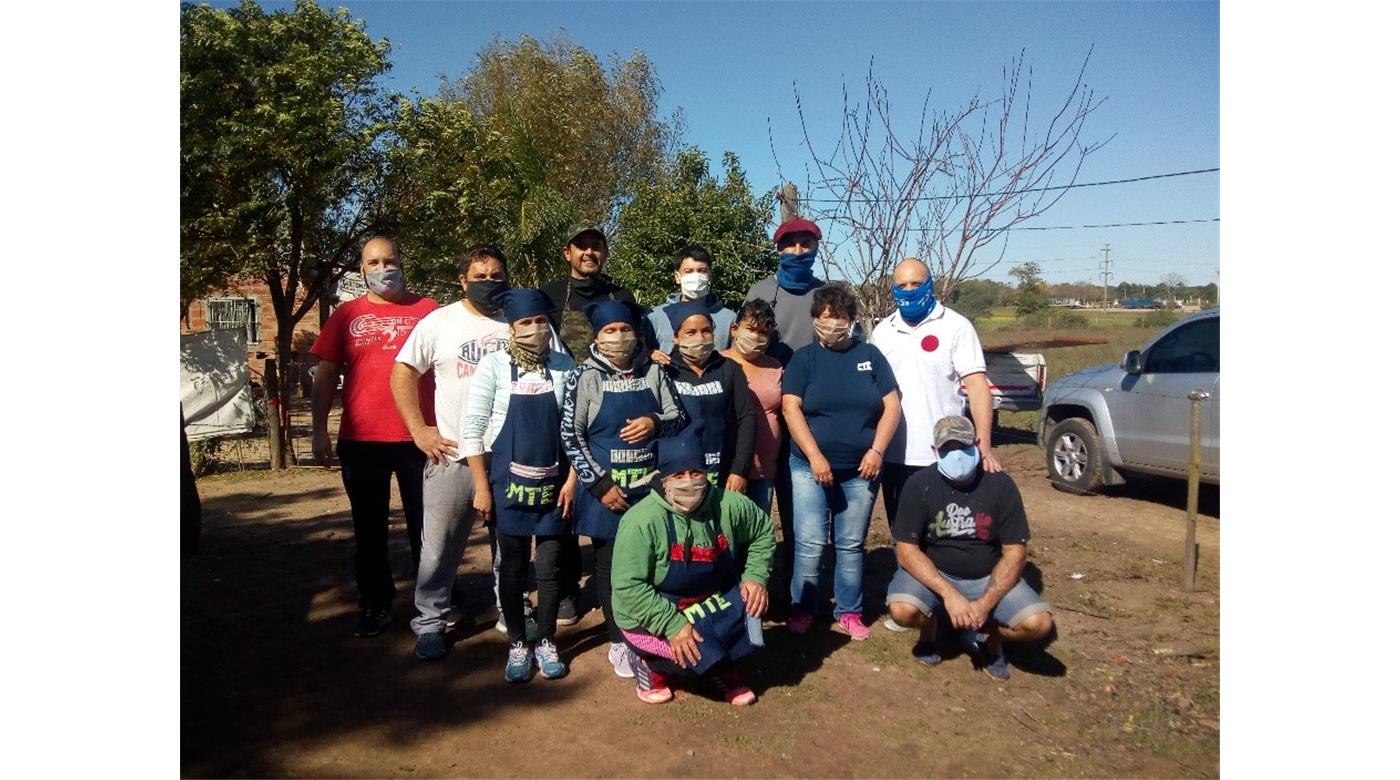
(895, 627)
(617, 656)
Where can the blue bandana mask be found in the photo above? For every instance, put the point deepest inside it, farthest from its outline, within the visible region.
(961, 464)
(385, 282)
(795, 271)
(914, 305)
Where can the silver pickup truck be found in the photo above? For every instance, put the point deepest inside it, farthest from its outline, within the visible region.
(1103, 421)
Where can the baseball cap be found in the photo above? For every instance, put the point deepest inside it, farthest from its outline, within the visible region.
(580, 229)
(954, 428)
(796, 225)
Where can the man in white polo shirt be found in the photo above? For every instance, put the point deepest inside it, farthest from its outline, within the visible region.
(933, 350)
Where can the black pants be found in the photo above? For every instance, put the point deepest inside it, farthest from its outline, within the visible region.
(515, 567)
(780, 589)
(570, 567)
(365, 468)
(892, 479)
(602, 575)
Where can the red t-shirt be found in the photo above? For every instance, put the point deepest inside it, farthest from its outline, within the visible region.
(363, 338)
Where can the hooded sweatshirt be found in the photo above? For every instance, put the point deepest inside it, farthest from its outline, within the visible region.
(642, 554)
(584, 390)
(725, 377)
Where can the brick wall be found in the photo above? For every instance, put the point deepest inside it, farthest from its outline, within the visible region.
(196, 319)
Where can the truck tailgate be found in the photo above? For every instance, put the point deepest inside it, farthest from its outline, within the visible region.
(1017, 380)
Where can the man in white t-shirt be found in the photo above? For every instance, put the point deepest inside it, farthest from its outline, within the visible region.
(933, 351)
(450, 341)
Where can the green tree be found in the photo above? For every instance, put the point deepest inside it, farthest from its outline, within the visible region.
(974, 298)
(689, 205)
(593, 129)
(455, 180)
(1030, 290)
(281, 152)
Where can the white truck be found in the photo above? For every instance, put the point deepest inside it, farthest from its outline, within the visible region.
(1017, 380)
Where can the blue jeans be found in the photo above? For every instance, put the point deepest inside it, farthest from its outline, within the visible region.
(760, 491)
(849, 501)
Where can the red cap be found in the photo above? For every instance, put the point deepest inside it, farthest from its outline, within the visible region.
(796, 225)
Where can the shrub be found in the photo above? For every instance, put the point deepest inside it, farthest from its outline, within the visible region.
(204, 455)
(1062, 319)
(1158, 318)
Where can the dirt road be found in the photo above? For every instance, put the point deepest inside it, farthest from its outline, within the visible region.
(273, 684)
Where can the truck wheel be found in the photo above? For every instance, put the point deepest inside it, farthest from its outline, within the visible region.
(1073, 457)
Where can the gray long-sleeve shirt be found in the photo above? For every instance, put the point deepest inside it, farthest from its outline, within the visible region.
(793, 313)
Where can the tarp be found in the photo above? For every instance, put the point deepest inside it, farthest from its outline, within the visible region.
(214, 391)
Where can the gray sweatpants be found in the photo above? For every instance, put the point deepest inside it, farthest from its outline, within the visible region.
(447, 522)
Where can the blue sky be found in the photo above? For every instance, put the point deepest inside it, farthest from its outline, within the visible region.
(732, 67)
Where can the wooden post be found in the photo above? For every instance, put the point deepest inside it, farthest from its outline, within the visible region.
(1193, 488)
(272, 391)
(787, 202)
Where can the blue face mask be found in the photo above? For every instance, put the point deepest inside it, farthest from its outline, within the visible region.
(915, 304)
(959, 465)
(385, 282)
(795, 271)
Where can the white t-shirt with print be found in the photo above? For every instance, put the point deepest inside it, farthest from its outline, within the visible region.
(452, 341)
(929, 360)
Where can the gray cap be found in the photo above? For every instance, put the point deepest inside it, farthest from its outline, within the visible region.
(954, 428)
(580, 229)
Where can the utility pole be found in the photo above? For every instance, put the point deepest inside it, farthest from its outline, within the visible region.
(1107, 266)
(787, 202)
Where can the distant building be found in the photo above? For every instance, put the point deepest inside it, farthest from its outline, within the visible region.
(246, 304)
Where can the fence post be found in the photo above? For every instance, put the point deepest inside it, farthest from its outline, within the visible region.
(1193, 488)
(272, 389)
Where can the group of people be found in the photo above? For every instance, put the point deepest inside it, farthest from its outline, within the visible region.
(664, 437)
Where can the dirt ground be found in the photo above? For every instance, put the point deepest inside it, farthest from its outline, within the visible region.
(273, 683)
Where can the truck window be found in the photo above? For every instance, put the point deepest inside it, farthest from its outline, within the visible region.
(1190, 349)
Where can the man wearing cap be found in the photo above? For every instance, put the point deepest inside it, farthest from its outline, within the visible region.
(360, 340)
(690, 577)
(933, 351)
(789, 293)
(586, 251)
(960, 539)
(693, 271)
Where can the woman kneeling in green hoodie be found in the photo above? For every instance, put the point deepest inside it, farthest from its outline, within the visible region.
(690, 577)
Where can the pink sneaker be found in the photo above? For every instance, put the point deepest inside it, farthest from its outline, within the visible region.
(850, 624)
(800, 623)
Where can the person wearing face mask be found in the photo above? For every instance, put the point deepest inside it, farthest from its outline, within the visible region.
(789, 293)
(523, 482)
(690, 578)
(451, 343)
(934, 351)
(359, 341)
(585, 252)
(694, 269)
(764, 375)
(841, 404)
(616, 403)
(715, 395)
(960, 539)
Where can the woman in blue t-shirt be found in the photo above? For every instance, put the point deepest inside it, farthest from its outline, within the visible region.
(841, 404)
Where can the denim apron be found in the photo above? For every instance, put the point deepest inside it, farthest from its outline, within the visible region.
(708, 413)
(626, 463)
(526, 472)
(703, 585)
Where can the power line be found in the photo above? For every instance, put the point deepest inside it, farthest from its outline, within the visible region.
(1120, 224)
(1016, 192)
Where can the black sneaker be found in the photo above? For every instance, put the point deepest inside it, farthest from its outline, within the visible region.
(568, 611)
(372, 622)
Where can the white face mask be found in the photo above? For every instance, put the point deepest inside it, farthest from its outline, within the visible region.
(695, 284)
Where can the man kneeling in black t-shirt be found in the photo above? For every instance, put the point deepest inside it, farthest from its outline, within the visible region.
(960, 538)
